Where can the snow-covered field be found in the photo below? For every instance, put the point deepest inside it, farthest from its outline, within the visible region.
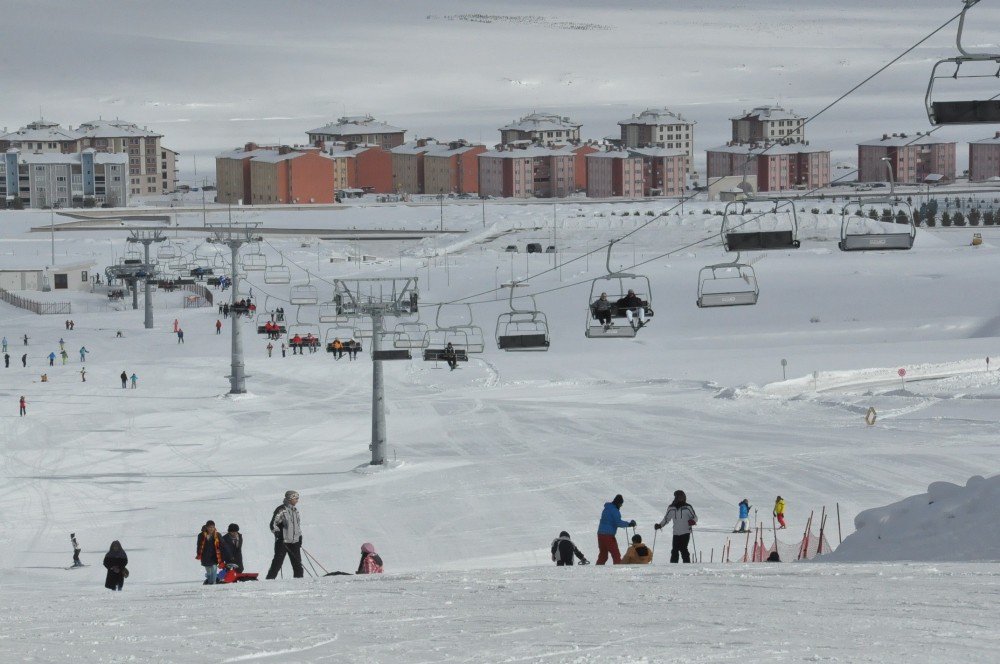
(491, 461)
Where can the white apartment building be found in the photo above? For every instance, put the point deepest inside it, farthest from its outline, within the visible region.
(768, 124)
(52, 179)
(659, 127)
(541, 128)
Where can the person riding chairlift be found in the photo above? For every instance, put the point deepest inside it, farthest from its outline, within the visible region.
(632, 303)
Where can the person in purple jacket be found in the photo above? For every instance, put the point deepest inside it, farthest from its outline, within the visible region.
(611, 521)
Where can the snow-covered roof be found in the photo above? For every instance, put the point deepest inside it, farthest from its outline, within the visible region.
(415, 147)
(445, 149)
(243, 154)
(541, 122)
(115, 129)
(610, 154)
(42, 131)
(656, 116)
(765, 113)
(774, 149)
(994, 140)
(273, 157)
(339, 149)
(73, 158)
(902, 140)
(659, 152)
(356, 125)
(525, 153)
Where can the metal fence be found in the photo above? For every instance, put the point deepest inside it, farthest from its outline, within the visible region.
(200, 290)
(33, 306)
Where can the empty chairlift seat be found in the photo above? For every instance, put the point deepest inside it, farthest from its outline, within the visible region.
(727, 285)
(743, 229)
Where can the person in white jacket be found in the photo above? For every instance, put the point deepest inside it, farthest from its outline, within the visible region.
(683, 516)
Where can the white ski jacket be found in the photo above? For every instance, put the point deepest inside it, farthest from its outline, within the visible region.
(285, 524)
(680, 516)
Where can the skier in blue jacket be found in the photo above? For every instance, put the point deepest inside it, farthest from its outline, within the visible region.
(744, 521)
(611, 521)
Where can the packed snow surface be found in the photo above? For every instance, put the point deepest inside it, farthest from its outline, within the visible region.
(491, 461)
(948, 523)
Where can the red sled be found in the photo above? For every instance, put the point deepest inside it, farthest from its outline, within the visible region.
(232, 576)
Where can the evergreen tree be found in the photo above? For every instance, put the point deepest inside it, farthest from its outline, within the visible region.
(975, 216)
(988, 218)
(902, 218)
(958, 219)
(946, 219)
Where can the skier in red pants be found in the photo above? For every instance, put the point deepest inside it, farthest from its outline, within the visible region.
(611, 521)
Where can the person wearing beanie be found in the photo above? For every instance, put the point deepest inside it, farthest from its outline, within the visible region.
(563, 551)
(684, 518)
(779, 512)
(638, 553)
(611, 521)
(232, 548)
(371, 562)
(743, 524)
(287, 530)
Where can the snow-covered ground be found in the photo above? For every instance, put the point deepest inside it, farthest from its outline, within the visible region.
(493, 460)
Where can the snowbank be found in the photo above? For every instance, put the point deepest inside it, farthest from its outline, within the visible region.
(948, 523)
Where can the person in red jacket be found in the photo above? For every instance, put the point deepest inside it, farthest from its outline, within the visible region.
(209, 552)
(24, 409)
(218, 327)
(371, 562)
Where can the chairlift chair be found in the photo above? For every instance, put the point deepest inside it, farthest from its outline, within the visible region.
(964, 111)
(436, 339)
(304, 293)
(255, 262)
(302, 328)
(738, 237)
(474, 340)
(616, 285)
(166, 251)
(277, 274)
(522, 329)
(727, 285)
(853, 216)
(410, 335)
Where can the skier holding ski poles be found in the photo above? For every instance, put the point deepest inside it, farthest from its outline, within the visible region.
(611, 521)
(684, 518)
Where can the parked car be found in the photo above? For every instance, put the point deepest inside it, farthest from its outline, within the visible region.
(551, 249)
(511, 248)
(534, 248)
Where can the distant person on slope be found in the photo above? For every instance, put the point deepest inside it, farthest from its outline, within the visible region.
(209, 552)
(638, 553)
(684, 518)
(23, 406)
(563, 551)
(24, 360)
(4, 344)
(115, 560)
(287, 532)
(371, 562)
(124, 377)
(76, 550)
(83, 353)
(218, 327)
(52, 359)
(743, 524)
(611, 521)
(135, 380)
(779, 511)
(6, 360)
(64, 355)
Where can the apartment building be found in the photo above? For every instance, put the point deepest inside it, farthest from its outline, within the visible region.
(364, 167)
(984, 159)
(773, 168)
(54, 179)
(152, 167)
(659, 127)
(541, 128)
(614, 173)
(913, 158)
(527, 172)
(664, 170)
(408, 165)
(358, 129)
(453, 168)
(768, 124)
(296, 176)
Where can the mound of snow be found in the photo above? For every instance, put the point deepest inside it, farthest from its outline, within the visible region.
(948, 523)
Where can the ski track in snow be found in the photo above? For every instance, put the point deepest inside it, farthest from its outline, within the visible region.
(494, 459)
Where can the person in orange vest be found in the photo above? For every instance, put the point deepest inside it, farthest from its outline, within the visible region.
(338, 348)
(218, 327)
(638, 553)
(209, 552)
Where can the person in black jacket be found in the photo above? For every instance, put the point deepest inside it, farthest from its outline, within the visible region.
(563, 551)
(450, 356)
(232, 548)
(115, 561)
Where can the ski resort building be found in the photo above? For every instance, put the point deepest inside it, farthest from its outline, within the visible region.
(33, 277)
(636, 173)
(913, 157)
(274, 174)
(527, 172)
(984, 159)
(659, 127)
(541, 128)
(359, 129)
(768, 124)
(408, 165)
(453, 168)
(152, 168)
(55, 179)
(367, 168)
(772, 168)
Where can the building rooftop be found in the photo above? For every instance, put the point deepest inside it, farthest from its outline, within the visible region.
(115, 129)
(610, 154)
(659, 152)
(774, 149)
(353, 125)
(525, 153)
(541, 122)
(901, 140)
(452, 148)
(273, 157)
(995, 140)
(245, 154)
(420, 146)
(42, 131)
(656, 116)
(73, 158)
(768, 113)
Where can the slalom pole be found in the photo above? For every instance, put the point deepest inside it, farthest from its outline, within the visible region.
(822, 525)
(694, 548)
(746, 547)
(711, 555)
(774, 529)
(840, 538)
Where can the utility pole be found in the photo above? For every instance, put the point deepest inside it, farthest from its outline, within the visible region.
(145, 238)
(441, 200)
(377, 298)
(235, 236)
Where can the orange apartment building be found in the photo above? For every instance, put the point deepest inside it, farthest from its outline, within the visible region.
(637, 172)
(364, 167)
(274, 174)
(780, 167)
(913, 158)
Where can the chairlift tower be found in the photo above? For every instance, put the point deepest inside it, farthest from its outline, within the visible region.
(235, 236)
(377, 298)
(145, 238)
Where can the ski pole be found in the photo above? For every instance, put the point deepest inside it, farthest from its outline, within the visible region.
(317, 562)
(694, 548)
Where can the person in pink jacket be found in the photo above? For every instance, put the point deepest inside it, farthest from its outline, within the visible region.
(371, 562)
